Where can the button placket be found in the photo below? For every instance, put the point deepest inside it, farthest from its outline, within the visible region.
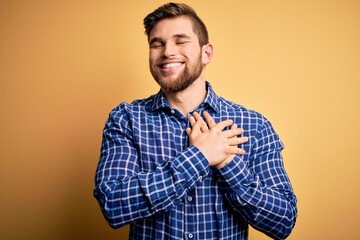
(190, 228)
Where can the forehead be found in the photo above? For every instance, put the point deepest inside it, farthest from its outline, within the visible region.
(170, 27)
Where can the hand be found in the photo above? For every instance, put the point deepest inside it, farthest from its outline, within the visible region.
(216, 144)
(231, 157)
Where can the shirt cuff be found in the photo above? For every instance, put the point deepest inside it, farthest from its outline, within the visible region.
(192, 166)
(235, 173)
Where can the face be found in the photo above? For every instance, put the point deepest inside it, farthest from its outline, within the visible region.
(175, 56)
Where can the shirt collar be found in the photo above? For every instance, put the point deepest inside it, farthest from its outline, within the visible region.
(211, 100)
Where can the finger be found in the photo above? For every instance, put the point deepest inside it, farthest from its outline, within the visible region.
(198, 118)
(192, 121)
(188, 131)
(204, 128)
(196, 127)
(233, 132)
(209, 120)
(223, 124)
(233, 127)
(236, 141)
(235, 150)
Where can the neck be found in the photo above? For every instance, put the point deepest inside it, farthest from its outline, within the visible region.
(189, 99)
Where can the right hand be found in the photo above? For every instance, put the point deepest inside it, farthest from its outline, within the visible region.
(216, 144)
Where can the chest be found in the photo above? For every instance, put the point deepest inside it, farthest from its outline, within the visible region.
(161, 137)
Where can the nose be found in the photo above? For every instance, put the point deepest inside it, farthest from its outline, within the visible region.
(169, 50)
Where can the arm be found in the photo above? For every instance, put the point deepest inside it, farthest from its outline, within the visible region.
(127, 194)
(260, 189)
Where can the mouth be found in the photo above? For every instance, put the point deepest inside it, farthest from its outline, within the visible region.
(171, 65)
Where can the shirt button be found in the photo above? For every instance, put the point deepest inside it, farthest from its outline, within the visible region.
(189, 199)
(172, 111)
(190, 235)
(200, 178)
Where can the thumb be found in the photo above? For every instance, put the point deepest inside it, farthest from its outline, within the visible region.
(188, 131)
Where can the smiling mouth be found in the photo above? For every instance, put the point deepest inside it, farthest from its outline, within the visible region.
(171, 65)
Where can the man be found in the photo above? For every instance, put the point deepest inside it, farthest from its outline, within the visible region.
(185, 163)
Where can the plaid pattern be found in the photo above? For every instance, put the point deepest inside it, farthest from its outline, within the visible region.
(148, 175)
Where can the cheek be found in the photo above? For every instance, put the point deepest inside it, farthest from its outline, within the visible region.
(152, 57)
(190, 54)
(194, 53)
(152, 62)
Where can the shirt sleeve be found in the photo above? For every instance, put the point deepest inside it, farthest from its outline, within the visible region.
(124, 192)
(259, 188)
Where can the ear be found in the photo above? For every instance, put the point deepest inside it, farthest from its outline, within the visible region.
(207, 53)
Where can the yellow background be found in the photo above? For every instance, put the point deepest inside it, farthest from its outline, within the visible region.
(65, 64)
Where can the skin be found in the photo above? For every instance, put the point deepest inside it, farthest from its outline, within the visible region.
(173, 41)
(218, 146)
(177, 63)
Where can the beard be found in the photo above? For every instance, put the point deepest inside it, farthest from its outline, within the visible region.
(185, 78)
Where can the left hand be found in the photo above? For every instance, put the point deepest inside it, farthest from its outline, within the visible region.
(200, 127)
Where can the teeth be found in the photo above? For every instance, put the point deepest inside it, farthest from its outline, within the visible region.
(171, 65)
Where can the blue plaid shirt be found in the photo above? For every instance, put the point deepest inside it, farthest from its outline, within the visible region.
(148, 175)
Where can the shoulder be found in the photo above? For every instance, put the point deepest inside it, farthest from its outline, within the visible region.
(237, 111)
(133, 108)
(126, 114)
(252, 121)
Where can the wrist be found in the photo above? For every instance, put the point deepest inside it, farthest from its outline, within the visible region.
(225, 162)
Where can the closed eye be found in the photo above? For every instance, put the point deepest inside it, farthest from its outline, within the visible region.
(182, 38)
(182, 42)
(156, 43)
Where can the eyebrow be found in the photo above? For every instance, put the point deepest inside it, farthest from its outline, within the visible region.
(180, 35)
(156, 39)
